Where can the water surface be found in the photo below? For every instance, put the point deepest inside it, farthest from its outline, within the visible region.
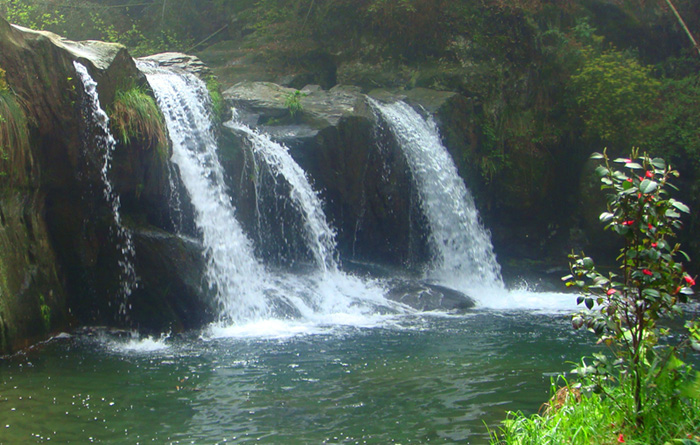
(408, 379)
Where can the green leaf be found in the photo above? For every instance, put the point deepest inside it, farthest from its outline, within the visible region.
(606, 216)
(659, 163)
(597, 156)
(648, 186)
(602, 171)
(634, 166)
(680, 206)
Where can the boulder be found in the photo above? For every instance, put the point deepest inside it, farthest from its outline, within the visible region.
(426, 297)
(181, 61)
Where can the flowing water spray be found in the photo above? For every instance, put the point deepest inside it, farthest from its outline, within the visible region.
(463, 254)
(317, 233)
(98, 123)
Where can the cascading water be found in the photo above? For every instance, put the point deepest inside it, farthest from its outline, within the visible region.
(98, 123)
(233, 272)
(245, 290)
(319, 236)
(463, 254)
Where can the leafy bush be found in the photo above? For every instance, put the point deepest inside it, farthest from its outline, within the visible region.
(293, 102)
(615, 94)
(624, 308)
(32, 15)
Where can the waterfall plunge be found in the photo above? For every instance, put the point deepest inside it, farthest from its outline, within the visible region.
(245, 290)
(463, 256)
(98, 125)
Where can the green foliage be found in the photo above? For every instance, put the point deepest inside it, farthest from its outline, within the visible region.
(293, 102)
(624, 308)
(32, 15)
(674, 132)
(615, 94)
(596, 419)
(45, 313)
(14, 134)
(135, 115)
(218, 104)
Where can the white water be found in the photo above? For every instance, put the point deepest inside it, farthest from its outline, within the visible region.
(318, 234)
(245, 290)
(98, 120)
(233, 272)
(463, 254)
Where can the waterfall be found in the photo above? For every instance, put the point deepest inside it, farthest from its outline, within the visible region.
(98, 126)
(317, 233)
(245, 290)
(233, 272)
(463, 256)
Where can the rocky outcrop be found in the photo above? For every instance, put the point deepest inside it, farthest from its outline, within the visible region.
(181, 61)
(59, 262)
(361, 176)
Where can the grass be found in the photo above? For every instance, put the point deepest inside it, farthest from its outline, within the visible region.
(217, 100)
(14, 134)
(600, 419)
(135, 115)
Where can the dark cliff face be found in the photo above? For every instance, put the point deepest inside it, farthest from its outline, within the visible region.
(58, 255)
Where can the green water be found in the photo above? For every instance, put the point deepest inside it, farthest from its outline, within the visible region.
(415, 379)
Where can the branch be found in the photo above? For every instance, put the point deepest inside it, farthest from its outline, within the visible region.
(684, 26)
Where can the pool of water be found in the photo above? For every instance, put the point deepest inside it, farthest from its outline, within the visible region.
(408, 379)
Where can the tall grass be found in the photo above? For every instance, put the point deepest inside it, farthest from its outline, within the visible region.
(14, 134)
(601, 419)
(136, 116)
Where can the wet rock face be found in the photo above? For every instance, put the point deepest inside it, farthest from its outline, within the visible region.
(59, 263)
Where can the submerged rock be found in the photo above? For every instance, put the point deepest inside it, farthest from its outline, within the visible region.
(426, 297)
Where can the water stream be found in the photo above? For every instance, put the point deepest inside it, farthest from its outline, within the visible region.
(101, 136)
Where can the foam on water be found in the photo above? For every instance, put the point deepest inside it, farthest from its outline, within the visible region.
(137, 345)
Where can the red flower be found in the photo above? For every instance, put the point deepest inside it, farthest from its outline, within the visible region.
(678, 289)
(627, 161)
(647, 272)
(651, 226)
(628, 223)
(611, 291)
(649, 174)
(630, 180)
(620, 438)
(688, 279)
(654, 244)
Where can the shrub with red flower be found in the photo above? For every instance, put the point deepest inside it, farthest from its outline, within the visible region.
(623, 307)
